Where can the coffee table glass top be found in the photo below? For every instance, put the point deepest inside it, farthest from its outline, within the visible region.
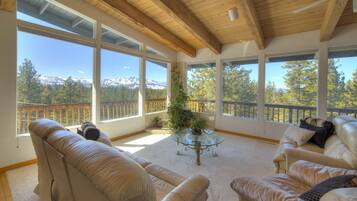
(206, 139)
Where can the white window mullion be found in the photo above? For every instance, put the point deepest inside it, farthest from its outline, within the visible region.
(322, 81)
(96, 76)
(261, 88)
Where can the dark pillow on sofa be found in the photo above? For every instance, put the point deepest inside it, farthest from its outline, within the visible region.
(316, 192)
(322, 133)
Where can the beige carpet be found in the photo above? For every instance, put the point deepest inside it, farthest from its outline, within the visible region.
(237, 156)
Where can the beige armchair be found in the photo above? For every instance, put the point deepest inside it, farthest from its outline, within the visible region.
(301, 176)
(340, 149)
(72, 168)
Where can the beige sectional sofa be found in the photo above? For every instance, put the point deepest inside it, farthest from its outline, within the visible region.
(71, 168)
(340, 149)
(301, 176)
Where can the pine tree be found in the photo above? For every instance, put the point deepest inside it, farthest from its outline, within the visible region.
(301, 81)
(28, 83)
(336, 85)
(351, 92)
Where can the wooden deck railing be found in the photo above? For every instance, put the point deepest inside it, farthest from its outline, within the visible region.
(203, 106)
(75, 114)
(272, 112)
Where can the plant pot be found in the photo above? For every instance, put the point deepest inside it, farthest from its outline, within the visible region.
(196, 132)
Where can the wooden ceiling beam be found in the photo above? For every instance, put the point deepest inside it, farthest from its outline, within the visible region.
(182, 14)
(333, 13)
(247, 9)
(8, 5)
(141, 18)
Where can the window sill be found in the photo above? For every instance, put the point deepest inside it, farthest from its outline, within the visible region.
(119, 119)
(157, 112)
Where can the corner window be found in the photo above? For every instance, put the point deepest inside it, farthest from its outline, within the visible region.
(201, 87)
(240, 85)
(291, 88)
(119, 85)
(342, 83)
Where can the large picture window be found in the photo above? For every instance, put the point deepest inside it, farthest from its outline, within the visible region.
(291, 88)
(119, 85)
(52, 84)
(240, 83)
(342, 83)
(156, 86)
(201, 87)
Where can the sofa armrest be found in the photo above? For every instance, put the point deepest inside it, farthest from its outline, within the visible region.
(341, 194)
(191, 189)
(292, 155)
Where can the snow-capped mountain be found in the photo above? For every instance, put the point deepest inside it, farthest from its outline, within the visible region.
(131, 82)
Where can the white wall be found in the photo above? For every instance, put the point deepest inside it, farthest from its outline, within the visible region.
(302, 42)
(14, 149)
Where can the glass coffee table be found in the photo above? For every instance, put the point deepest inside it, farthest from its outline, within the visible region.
(207, 141)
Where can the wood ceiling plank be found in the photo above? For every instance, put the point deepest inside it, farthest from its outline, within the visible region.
(248, 10)
(333, 13)
(141, 18)
(8, 5)
(181, 13)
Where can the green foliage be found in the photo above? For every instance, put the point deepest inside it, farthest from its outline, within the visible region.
(198, 124)
(201, 83)
(238, 85)
(179, 117)
(28, 83)
(157, 122)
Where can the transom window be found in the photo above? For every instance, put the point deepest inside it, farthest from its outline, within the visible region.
(113, 37)
(54, 15)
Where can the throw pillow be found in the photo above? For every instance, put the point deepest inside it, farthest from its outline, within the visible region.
(298, 135)
(320, 135)
(316, 192)
(323, 129)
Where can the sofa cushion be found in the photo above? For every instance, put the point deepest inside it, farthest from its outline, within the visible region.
(299, 135)
(312, 174)
(335, 148)
(348, 135)
(339, 121)
(279, 187)
(321, 133)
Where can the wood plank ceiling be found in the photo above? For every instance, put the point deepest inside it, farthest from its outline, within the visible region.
(274, 18)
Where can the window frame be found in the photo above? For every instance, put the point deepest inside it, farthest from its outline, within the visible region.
(314, 52)
(185, 77)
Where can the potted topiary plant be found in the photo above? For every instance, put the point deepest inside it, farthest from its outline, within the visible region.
(198, 125)
(179, 117)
